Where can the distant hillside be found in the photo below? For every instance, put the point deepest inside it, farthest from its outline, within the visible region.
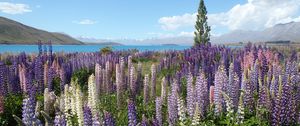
(12, 32)
(104, 43)
(280, 32)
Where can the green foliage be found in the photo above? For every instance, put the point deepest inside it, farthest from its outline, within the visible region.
(12, 106)
(106, 50)
(202, 35)
(82, 76)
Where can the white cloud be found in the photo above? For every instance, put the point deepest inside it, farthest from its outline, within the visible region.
(253, 15)
(85, 22)
(175, 22)
(12, 8)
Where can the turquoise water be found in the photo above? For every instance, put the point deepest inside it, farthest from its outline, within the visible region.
(85, 48)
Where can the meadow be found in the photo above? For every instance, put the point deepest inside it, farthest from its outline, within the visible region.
(202, 85)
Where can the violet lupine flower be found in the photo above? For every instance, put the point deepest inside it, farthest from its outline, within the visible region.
(122, 74)
(144, 121)
(87, 116)
(158, 107)
(201, 93)
(248, 88)
(129, 64)
(38, 73)
(132, 117)
(146, 89)
(153, 81)
(285, 98)
(118, 83)
(254, 76)
(59, 120)
(50, 79)
(234, 86)
(263, 97)
(172, 104)
(276, 108)
(108, 119)
(190, 95)
(1, 104)
(221, 79)
(28, 112)
(96, 120)
(139, 79)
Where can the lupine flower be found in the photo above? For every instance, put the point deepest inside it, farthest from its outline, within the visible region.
(172, 103)
(92, 94)
(158, 107)
(79, 105)
(234, 86)
(87, 115)
(221, 79)
(118, 83)
(132, 81)
(163, 89)
(240, 111)
(181, 111)
(196, 116)
(146, 89)
(132, 117)
(201, 93)
(99, 77)
(211, 94)
(28, 112)
(1, 104)
(229, 106)
(190, 95)
(153, 81)
(248, 88)
(144, 121)
(108, 119)
(107, 78)
(59, 120)
(276, 109)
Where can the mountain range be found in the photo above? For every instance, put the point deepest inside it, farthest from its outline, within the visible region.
(12, 32)
(280, 32)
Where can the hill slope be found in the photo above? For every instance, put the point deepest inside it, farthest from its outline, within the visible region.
(280, 32)
(12, 32)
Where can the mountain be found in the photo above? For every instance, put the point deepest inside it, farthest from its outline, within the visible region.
(12, 32)
(280, 32)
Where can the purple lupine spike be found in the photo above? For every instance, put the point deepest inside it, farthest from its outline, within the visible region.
(107, 78)
(158, 107)
(139, 80)
(276, 107)
(254, 76)
(146, 89)
(144, 121)
(221, 79)
(153, 82)
(1, 104)
(38, 72)
(248, 88)
(50, 78)
(87, 115)
(172, 104)
(28, 110)
(132, 81)
(201, 93)
(132, 117)
(190, 95)
(108, 119)
(119, 88)
(285, 98)
(59, 120)
(96, 120)
(234, 87)
(263, 97)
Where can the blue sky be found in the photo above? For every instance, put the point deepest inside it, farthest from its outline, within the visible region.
(141, 19)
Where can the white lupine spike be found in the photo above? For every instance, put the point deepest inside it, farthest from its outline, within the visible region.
(196, 117)
(153, 81)
(163, 89)
(92, 94)
(181, 111)
(146, 88)
(79, 105)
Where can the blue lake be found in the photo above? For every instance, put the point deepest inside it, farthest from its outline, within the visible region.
(86, 48)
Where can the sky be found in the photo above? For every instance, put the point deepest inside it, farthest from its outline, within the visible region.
(143, 19)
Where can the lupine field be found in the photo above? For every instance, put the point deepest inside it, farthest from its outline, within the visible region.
(204, 85)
